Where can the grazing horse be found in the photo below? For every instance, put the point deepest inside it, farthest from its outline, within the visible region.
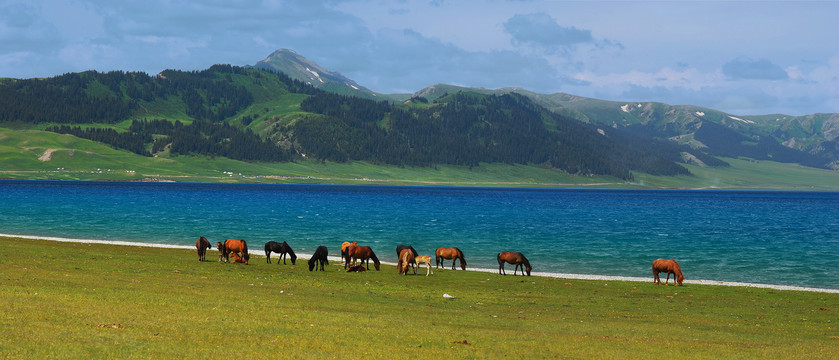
(344, 247)
(670, 267)
(318, 257)
(403, 247)
(362, 253)
(280, 248)
(516, 258)
(406, 258)
(427, 260)
(239, 249)
(222, 253)
(202, 245)
(450, 253)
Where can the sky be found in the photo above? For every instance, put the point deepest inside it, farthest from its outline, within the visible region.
(742, 57)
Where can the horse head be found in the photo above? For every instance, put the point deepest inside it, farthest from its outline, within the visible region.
(375, 260)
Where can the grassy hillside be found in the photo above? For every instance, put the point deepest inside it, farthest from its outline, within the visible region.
(22, 156)
(70, 300)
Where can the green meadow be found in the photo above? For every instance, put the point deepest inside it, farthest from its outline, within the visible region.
(75, 300)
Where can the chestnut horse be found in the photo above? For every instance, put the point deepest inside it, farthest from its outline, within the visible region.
(239, 249)
(452, 254)
(344, 246)
(280, 248)
(427, 260)
(362, 253)
(202, 245)
(406, 258)
(318, 257)
(670, 267)
(516, 258)
(399, 249)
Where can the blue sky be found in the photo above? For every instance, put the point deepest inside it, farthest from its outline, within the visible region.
(745, 58)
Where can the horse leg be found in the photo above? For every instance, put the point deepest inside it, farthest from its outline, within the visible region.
(656, 280)
(516, 269)
(668, 278)
(268, 256)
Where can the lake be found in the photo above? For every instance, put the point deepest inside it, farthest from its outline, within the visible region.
(764, 237)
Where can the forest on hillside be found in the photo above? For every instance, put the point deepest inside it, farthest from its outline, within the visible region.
(459, 129)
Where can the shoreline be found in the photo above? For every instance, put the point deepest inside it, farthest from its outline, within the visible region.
(538, 274)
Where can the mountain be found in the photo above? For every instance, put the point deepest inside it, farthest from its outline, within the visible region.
(262, 114)
(811, 140)
(298, 67)
(250, 114)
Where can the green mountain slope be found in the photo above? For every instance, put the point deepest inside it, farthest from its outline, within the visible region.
(256, 115)
(811, 140)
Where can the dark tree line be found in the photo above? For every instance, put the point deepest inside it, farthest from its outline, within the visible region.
(78, 98)
(61, 99)
(198, 138)
(469, 129)
(210, 139)
(131, 141)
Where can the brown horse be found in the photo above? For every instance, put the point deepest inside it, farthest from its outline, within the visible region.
(670, 267)
(406, 259)
(427, 260)
(452, 254)
(344, 247)
(516, 258)
(362, 253)
(239, 249)
(202, 244)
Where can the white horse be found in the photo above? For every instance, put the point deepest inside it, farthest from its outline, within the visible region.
(427, 260)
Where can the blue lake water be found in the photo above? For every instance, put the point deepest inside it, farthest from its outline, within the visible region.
(767, 237)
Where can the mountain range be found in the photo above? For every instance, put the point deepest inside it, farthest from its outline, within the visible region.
(811, 140)
(286, 107)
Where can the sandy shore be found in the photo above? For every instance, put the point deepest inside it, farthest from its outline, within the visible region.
(541, 274)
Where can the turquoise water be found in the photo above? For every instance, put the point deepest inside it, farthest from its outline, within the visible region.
(780, 238)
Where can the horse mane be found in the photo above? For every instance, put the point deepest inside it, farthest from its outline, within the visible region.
(462, 257)
(680, 277)
(373, 256)
(290, 251)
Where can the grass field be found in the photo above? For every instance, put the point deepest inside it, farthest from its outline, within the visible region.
(22, 156)
(73, 300)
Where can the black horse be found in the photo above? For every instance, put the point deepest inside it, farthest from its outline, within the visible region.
(318, 257)
(280, 248)
(399, 249)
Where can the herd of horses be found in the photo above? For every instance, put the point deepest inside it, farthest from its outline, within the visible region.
(407, 255)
